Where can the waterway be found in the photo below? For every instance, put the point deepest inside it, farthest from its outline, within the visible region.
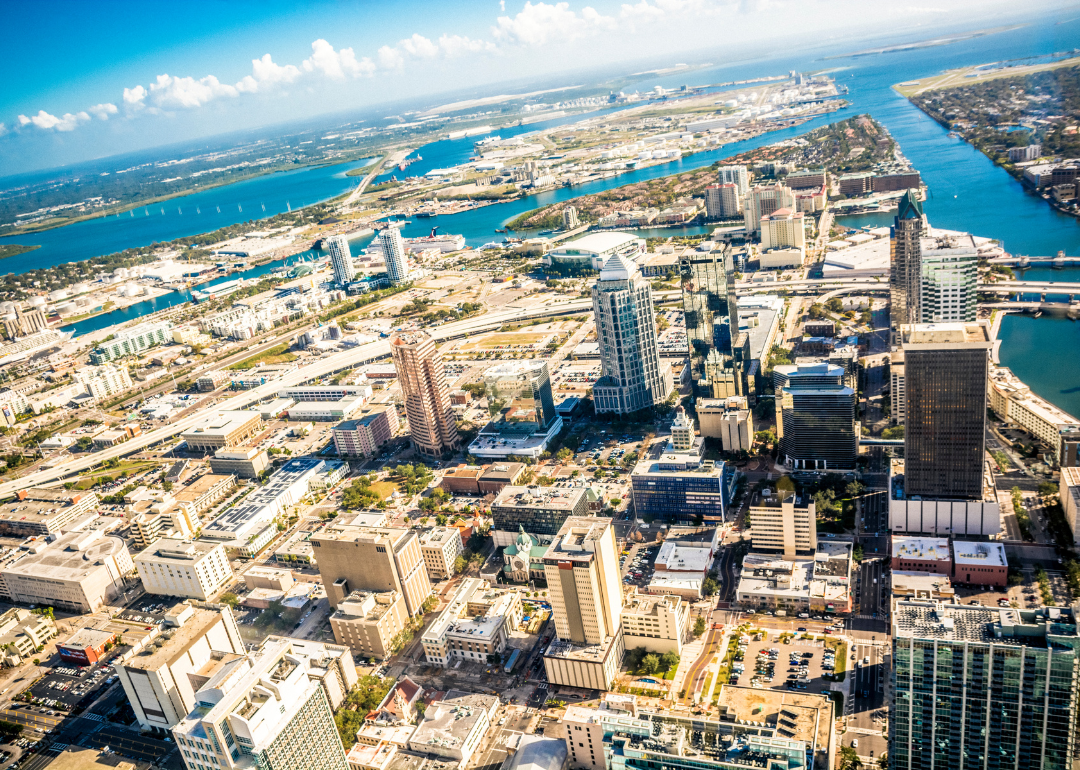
(967, 192)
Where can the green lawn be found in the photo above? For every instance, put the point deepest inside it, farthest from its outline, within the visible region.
(279, 354)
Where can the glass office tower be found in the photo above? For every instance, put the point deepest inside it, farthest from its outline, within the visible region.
(712, 322)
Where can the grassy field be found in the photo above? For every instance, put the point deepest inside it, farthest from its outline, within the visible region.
(279, 354)
(87, 480)
(14, 250)
(384, 489)
(960, 77)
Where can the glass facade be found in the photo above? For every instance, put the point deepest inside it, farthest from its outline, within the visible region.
(522, 394)
(536, 519)
(905, 264)
(816, 416)
(708, 294)
(681, 496)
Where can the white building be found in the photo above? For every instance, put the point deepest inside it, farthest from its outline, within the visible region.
(195, 569)
(271, 710)
(949, 287)
(395, 255)
(102, 381)
(658, 623)
(1015, 403)
(454, 727)
(782, 232)
(736, 175)
(441, 546)
(592, 251)
(341, 260)
(1069, 490)
(764, 200)
(475, 624)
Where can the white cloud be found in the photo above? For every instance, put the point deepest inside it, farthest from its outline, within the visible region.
(419, 46)
(336, 64)
(45, 121)
(187, 92)
(456, 45)
(134, 97)
(390, 58)
(542, 23)
(103, 111)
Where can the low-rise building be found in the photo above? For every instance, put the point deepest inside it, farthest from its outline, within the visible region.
(41, 511)
(921, 586)
(680, 569)
(523, 559)
(441, 546)
(245, 462)
(728, 419)
(367, 433)
(498, 476)
(921, 554)
(86, 646)
(462, 480)
(983, 564)
(222, 429)
(658, 623)
(820, 583)
(204, 493)
(1019, 407)
(22, 632)
(78, 572)
(454, 727)
(195, 569)
(950, 517)
(537, 510)
(327, 411)
(160, 681)
(475, 624)
(368, 622)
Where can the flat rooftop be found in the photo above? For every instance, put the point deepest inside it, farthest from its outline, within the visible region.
(176, 641)
(981, 554)
(577, 538)
(946, 334)
(448, 722)
(797, 716)
(969, 623)
(679, 557)
(921, 548)
(72, 557)
(222, 423)
(539, 497)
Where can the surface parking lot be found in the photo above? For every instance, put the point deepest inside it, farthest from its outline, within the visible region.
(808, 652)
(69, 685)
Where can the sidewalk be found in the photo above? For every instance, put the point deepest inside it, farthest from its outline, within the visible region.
(691, 652)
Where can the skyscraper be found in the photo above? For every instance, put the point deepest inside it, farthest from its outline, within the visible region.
(764, 200)
(736, 175)
(945, 378)
(395, 255)
(709, 310)
(427, 396)
(341, 260)
(815, 418)
(569, 218)
(905, 264)
(983, 688)
(582, 570)
(723, 201)
(633, 377)
(526, 419)
(949, 283)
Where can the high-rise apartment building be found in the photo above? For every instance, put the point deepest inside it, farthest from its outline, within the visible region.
(422, 377)
(395, 255)
(979, 688)
(736, 175)
(815, 420)
(357, 558)
(784, 524)
(271, 710)
(341, 260)
(633, 377)
(582, 570)
(945, 377)
(949, 284)
(764, 200)
(569, 218)
(783, 229)
(711, 317)
(723, 201)
(905, 264)
(105, 380)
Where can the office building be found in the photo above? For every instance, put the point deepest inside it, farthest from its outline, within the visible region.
(633, 376)
(341, 259)
(86, 646)
(44, 511)
(223, 429)
(161, 679)
(783, 229)
(454, 726)
(395, 255)
(357, 558)
(711, 315)
(815, 419)
(897, 387)
(762, 201)
(537, 510)
(440, 547)
(22, 634)
(785, 524)
(905, 265)
(949, 284)
(130, 342)
(78, 572)
(194, 569)
(497, 476)
(365, 435)
(681, 488)
(245, 462)
(526, 421)
(980, 687)
(944, 515)
(1016, 404)
(369, 622)
(658, 623)
(591, 252)
(103, 381)
(269, 709)
(570, 218)
(327, 411)
(820, 583)
(582, 570)
(476, 624)
(946, 367)
(723, 201)
(422, 378)
(736, 175)
(727, 419)
(681, 567)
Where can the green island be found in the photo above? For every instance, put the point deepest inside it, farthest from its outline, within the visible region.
(14, 250)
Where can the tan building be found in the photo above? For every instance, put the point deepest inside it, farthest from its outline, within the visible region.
(1069, 489)
(763, 200)
(356, 558)
(21, 633)
(422, 378)
(897, 385)
(161, 681)
(463, 479)
(499, 475)
(223, 429)
(79, 572)
(783, 524)
(40, 511)
(367, 622)
(728, 419)
(273, 578)
(582, 570)
(194, 569)
(1014, 403)
(204, 493)
(476, 623)
(245, 462)
(441, 546)
(658, 623)
(783, 229)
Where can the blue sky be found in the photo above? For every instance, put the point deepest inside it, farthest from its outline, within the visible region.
(96, 79)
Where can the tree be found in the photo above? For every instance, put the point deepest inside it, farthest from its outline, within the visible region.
(699, 626)
(834, 305)
(669, 660)
(230, 599)
(893, 434)
(650, 664)
(563, 455)
(459, 564)
(709, 587)
(854, 489)
(816, 312)
(849, 759)
(441, 519)
(1047, 489)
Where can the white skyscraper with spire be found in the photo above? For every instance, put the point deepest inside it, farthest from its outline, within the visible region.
(395, 255)
(341, 259)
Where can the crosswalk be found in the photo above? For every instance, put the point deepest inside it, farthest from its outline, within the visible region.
(93, 717)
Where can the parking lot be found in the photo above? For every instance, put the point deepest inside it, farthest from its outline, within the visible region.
(637, 567)
(64, 689)
(798, 664)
